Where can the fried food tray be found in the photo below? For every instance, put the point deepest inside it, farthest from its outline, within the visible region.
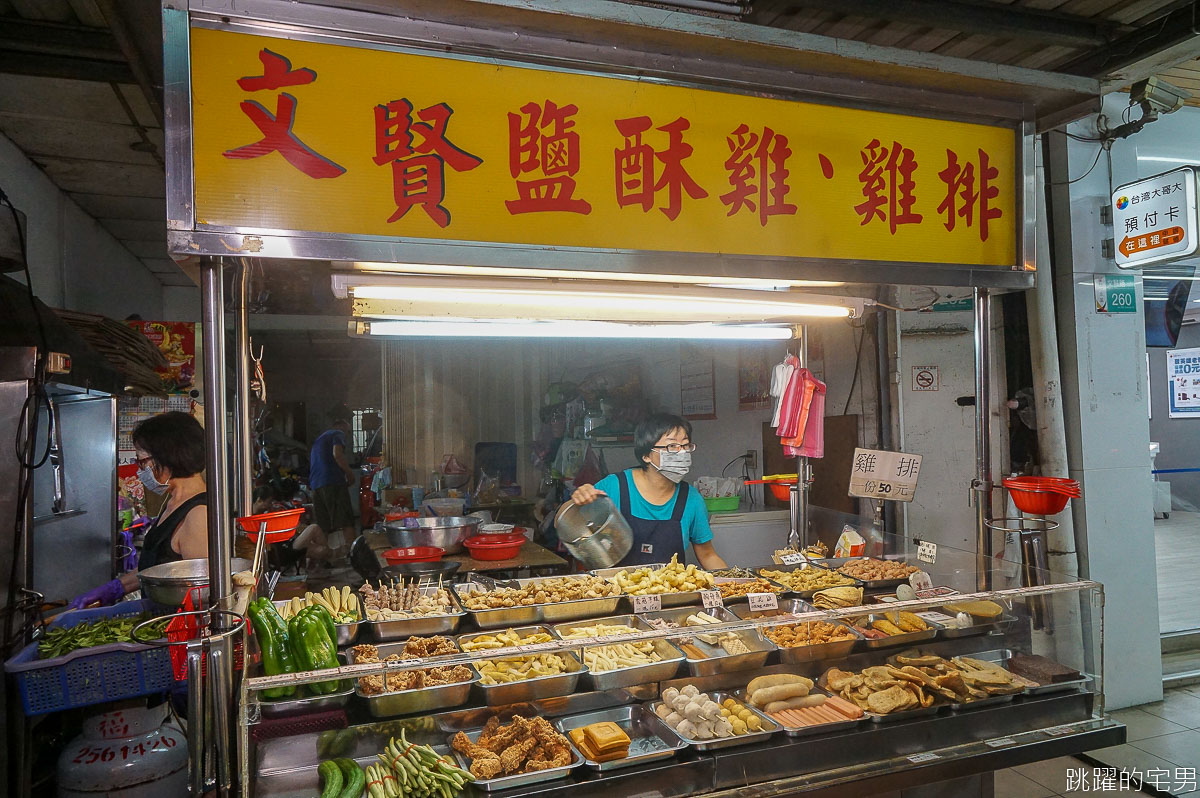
(517, 779)
(423, 626)
(718, 661)
(633, 675)
(533, 689)
(668, 599)
(769, 727)
(650, 739)
(836, 564)
(420, 699)
(805, 594)
(895, 640)
(837, 649)
(804, 731)
(501, 618)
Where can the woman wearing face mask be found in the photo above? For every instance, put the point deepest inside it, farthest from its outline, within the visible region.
(664, 512)
(170, 458)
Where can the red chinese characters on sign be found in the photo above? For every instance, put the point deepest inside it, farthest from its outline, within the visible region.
(276, 128)
(757, 166)
(887, 185)
(418, 167)
(969, 193)
(636, 183)
(542, 139)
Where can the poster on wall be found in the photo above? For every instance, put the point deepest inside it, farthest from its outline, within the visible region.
(177, 341)
(1183, 381)
(754, 378)
(697, 393)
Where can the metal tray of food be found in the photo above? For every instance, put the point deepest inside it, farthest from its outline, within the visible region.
(562, 611)
(811, 653)
(804, 731)
(517, 779)
(779, 590)
(878, 584)
(409, 702)
(805, 594)
(769, 727)
(717, 661)
(990, 701)
(668, 599)
(533, 689)
(284, 707)
(892, 640)
(1058, 687)
(649, 738)
(908, 714)
(347, 633)
(638, 674)
(422, 626)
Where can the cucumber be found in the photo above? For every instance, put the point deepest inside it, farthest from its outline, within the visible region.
(355, 779)
(331, 779)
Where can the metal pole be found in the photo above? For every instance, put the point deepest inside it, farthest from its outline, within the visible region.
(983, 449)
(244, 432)
(212, 301)
(803, 472)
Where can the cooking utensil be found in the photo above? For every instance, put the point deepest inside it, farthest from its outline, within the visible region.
(168, 583)
(446, 532)
(442, 568)
(494, 551)
(596, 534)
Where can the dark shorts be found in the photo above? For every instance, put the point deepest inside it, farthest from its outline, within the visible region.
(331, 506)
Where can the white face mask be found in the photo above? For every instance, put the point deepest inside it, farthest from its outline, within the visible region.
(674, 466)
(147, 478)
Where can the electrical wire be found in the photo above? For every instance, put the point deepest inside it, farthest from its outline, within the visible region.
(862, 333)
(1085, 174)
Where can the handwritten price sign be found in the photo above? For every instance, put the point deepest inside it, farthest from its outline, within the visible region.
(711, 599)
(762, 602)
(647, 603)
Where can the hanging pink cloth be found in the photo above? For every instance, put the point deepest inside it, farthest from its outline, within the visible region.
(802, 422)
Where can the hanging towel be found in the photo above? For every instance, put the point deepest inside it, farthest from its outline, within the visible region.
(790, 405)
(781, 376)
(804, 415)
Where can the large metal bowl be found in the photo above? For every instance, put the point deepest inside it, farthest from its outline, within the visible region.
(447, 533)
(168, 583)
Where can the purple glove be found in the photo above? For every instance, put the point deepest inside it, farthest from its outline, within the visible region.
(105, 596)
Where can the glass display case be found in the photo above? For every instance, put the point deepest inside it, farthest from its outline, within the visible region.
(905, 673)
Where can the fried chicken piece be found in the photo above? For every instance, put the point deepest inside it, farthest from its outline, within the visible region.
(514, 756)
(505, 736)
(484, 763)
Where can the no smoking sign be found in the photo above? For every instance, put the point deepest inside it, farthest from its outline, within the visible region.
(926, 378)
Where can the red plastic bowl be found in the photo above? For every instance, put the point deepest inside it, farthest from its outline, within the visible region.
(502, 539)
(280, 525)
(414, 554)
(494, 551)
(1041, 495)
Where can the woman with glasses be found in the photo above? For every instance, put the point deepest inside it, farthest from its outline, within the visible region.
(665, 513)
(170, 459)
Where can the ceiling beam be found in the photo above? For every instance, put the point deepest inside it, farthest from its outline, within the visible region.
(54, 50)
(1159, 44)
(53, 66)
(966, 16)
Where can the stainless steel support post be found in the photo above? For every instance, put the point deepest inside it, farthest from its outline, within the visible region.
(244, 432)
(196, 712)
(800, 521)
(212, 299)
(221, 669)
(983, 450)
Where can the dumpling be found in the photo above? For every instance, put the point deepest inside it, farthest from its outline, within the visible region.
(669, 695)
(689, 690)
(662, 710)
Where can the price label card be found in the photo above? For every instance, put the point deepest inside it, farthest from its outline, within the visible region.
(1057, 731)
(711, 599)
(999, 742)
(647, 603)
(927, 552)
(538, 646)
(761, 602)
(937, 617)
(791, 559)
(917, 759)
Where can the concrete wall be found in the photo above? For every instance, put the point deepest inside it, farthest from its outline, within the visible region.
(74, 262)
(181, 303)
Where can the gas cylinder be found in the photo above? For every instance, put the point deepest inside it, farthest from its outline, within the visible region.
(126, 752)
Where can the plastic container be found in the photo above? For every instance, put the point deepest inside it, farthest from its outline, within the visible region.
(280, 526)
(722, 504)
(413, 554)
(494, 551)
(491, 539)
(90, 675)
(1041, 495)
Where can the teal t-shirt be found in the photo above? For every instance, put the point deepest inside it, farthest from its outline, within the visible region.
(695, 514)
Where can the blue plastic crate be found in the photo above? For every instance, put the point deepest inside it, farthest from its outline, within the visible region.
(90, 675)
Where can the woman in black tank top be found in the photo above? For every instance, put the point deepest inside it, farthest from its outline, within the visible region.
(170, 459)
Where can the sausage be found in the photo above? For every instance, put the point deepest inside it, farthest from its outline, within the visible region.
(795, 703)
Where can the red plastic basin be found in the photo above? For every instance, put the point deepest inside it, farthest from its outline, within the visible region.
(280, 526)
(506, 538)
(1041, 495)
(414, 554)
(494, 551)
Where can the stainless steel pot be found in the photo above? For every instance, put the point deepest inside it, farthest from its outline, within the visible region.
(168, 583)
(447, 532)
(596, 534)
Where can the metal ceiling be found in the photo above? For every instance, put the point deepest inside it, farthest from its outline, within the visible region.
(81, 80)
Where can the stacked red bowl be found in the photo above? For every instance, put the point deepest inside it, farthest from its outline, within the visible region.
(495, 547)
(1042, 495)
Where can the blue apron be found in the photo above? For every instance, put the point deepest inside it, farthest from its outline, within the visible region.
(653, 541)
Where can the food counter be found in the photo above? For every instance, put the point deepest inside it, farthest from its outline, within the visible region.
(869, 693)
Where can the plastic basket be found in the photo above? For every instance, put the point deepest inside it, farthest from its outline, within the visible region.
(90, 675)
(185, 627)
(722, 504)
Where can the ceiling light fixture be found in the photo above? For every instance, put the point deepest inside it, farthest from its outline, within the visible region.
(475, 328)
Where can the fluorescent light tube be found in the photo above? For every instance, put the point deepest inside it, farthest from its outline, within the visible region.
(472, 328)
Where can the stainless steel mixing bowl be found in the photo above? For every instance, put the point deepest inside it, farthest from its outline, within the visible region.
(447, 532)
(168, 583)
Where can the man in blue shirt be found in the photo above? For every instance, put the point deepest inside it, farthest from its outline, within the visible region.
(665, 513)
(329, 478)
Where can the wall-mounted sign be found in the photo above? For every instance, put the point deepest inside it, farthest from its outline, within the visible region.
(292, 135)
(1183, 380)
(926, 378)
(884, 475)
(1154, 220)
(1116, 293)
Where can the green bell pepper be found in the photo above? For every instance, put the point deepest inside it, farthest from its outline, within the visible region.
(313, 647)
(272, 639)
(326, 619)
